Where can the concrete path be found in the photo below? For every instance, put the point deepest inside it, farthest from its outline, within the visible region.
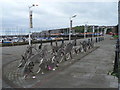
(14, 52)
(89, 72)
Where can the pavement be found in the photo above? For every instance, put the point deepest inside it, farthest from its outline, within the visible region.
(90, 71)
(12, 53)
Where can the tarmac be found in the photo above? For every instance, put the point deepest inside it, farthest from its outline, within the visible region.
(90, 71)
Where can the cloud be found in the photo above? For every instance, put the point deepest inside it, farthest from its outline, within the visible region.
(56, 14)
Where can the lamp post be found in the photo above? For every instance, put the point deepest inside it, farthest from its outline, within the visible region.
(97, 31)
(119, 21)
(71, 27)
(93, 31)
(119, 43)
(85, 29)
(31, 24)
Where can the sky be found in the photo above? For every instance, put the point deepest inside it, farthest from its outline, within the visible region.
(56, 13)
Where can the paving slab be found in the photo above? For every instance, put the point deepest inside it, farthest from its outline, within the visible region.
(89, 72)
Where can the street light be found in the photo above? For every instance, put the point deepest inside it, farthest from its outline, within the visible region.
(85, 29)
(98, 31)
(93, 31)
(31, 25)
(119, 34)
(71, 27)
(119, 40)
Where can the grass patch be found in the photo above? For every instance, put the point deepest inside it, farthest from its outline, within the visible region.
(115, 36)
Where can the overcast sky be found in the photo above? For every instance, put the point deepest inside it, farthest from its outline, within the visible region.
(56, 14)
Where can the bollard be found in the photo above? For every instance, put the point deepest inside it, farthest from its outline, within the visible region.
(51, 42)
(75, 42)
(96, 40)
(91, 39)
(99, 39)
(56, 43)
(88, 40)
(62, 41)
(40, 46)
(41, 42)
(103, 38)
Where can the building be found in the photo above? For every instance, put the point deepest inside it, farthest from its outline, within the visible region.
(47, 33)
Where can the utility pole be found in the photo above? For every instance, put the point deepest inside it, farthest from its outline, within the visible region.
(118, 42)
(85, 30)
(70, 31)
(119, 21)
(31, 24)
(98, 31)
(117, 51)
(93, 31)
(71, 27)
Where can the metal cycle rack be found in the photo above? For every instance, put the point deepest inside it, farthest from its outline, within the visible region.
(49, 57)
